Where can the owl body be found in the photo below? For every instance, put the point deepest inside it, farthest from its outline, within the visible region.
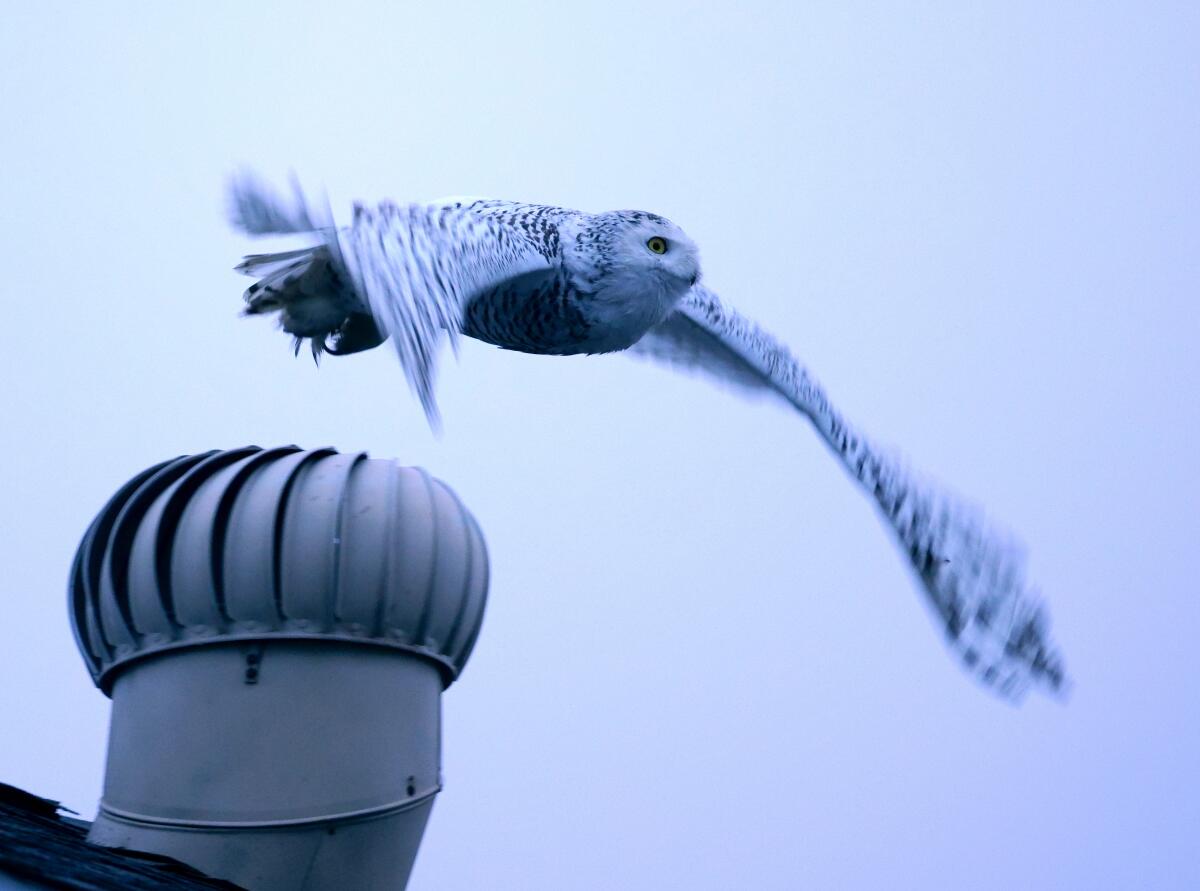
(601, 291)
(593, 285)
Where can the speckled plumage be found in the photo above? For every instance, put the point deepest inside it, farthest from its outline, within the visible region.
(553, 281)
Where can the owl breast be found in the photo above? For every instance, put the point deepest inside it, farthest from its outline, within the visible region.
(536, 313)
(551, 313)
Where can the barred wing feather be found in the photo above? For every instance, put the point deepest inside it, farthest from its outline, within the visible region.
(419, 265)
(971, 573)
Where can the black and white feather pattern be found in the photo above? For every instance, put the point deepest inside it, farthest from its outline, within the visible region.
(971, 572)
(417, 266)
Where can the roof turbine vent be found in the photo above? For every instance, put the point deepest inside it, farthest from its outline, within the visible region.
(275, 628)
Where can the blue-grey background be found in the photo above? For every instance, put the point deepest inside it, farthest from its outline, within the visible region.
(703, 666)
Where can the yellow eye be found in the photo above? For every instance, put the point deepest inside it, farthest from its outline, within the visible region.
(657, 245)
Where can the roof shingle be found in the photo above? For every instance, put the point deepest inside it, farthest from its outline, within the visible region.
(39, 845)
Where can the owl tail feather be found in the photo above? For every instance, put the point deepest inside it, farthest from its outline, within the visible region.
(309, 288)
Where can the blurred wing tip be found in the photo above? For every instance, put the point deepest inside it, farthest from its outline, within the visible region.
(1050, 673)
(252, 206)
(432, 415)
(1010, 665)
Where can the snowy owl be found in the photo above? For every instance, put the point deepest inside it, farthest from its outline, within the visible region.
(542, 279)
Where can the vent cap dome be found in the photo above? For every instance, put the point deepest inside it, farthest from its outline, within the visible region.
(258, 544)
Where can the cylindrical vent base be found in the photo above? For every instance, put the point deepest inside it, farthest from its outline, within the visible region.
(281, 764)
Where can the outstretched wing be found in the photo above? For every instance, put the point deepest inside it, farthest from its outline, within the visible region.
(413, 267)
(971, 573)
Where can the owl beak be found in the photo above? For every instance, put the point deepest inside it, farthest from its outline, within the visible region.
(695, 278)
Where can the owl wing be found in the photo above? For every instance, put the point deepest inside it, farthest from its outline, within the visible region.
(413, 267)
(971, 573)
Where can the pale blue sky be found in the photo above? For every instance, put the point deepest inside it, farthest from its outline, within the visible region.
(703, 665)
